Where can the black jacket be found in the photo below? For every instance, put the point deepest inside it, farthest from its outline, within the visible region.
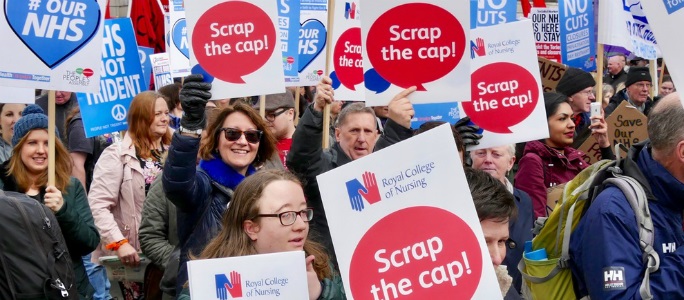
(622, 96)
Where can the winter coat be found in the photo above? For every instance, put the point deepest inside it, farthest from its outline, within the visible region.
(542, 167)
(116, 196)
(607, 239)
(308, 160)
(622, 96)
(158, 231)
(76, 224)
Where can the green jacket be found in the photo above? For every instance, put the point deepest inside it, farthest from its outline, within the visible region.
(77, 225)
(158, 234)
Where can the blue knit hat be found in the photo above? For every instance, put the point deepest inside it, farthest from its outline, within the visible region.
(32, 117)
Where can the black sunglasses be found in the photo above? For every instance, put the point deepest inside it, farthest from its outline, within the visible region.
(232, 134)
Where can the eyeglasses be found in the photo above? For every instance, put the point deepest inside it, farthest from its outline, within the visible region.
(272, 115)
(643, 85)
(232, 134)
(587, 93)
(288, 218)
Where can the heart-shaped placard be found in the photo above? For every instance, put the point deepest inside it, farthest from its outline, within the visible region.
(311, 40)
(180, 37)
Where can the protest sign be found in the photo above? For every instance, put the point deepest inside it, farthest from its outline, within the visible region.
(409, 193)
(577, 34)
(288, 26)
(17, 95)
(161, 70)
(492, 12)
(403, 48)
(623, 23)
(507, 98)
(266, 276)
(122, 79)
(235, 45)
(346, 65)
(666, 17)
(144, 53)
(179, 54)
(551, 73)
(547, 33)
(52, 45)
(626, 126)
(442, 112)
(312, 42)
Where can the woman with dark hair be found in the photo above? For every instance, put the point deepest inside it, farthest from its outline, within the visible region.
(27, 172)
(552, 161)
(9, 114)
(269, 214)
(121, 179)
(236, 143)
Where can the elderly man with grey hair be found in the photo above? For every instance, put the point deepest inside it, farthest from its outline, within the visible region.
(605, 254)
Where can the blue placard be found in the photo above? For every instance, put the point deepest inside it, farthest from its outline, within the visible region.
(578, 45)
(144, 53)
(122, 79)
(288, 26)
(492, 12)
(444, 112)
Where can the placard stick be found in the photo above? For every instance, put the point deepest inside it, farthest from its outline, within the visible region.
(296, 120)
(51, 137)
(653, 69)
(662, 74)
(262, 106)
(599, 73)
(328, 57)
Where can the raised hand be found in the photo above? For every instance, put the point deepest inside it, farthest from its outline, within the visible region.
(325, 94)
(194, 97)
(400, 108)
(372, 195)
(354, 190)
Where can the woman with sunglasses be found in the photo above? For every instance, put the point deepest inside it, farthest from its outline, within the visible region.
(234, 145)
(269, 214)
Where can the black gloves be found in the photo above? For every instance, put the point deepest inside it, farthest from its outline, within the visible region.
(468, 132)
(193, 98)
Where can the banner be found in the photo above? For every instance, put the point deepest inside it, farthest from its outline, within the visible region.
(442, 112)
(422, 44)
(492, 12)
(17, 95)
(179, 52)
(623, 23)
(266, 276)
(577, 34)
(312, 42)
(288, 26)
(547, 33)
(52, 44)
(551, 73)
(666, 17)
(122, 79)
(161, 70)
(144, 53)
(235, 45)
(507, 98)
(400, 231)
(346, 64)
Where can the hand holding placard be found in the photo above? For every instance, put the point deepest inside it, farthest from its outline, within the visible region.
(324, 93)
(400, 108)
(315, 287)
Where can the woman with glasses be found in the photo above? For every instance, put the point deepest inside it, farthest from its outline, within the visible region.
(121, 179)
(234, 145)
(269, 214)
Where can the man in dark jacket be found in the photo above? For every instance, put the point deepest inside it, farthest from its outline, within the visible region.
(616, 71)
(636, 93)
(606, 258)
(356, 134)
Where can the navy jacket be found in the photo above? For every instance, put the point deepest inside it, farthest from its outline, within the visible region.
(520, 231)
(607, 238)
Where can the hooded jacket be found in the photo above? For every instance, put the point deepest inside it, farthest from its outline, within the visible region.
(542, 167)
(606, 241)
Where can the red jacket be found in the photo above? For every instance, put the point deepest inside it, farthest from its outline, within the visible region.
(542, 167)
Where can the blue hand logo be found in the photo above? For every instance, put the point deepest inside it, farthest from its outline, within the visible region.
(353, 189)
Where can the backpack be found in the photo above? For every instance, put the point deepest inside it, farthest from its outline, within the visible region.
(552, 278)
(34, 259)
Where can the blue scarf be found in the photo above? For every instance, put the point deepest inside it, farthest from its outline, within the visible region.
(222, 173)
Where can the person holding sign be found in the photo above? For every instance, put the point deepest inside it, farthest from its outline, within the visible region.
(9, 115)
(356, 133)
(269, 214)
(552, 161)
(26, 172)
(122, 177)
(236, 143)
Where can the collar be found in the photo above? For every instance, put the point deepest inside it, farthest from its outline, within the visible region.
(339, 156)
(223, 174)
(509, 186)
(665, 187)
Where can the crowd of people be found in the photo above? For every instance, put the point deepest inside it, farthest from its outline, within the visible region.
(194, 178)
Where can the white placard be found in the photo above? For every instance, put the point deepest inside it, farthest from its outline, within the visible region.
(178, 40)
(17, 95)
(346, 64)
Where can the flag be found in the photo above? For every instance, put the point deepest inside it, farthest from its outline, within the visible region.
(623, 23)
(526, 7)
(148, 22)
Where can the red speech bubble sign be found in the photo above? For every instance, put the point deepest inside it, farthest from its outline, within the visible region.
(233, 39)
(347, 58)
(436, 254)
(415, 43)
(503, 95)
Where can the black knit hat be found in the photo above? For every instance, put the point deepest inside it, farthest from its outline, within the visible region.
(574, 81)
(637, 74)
